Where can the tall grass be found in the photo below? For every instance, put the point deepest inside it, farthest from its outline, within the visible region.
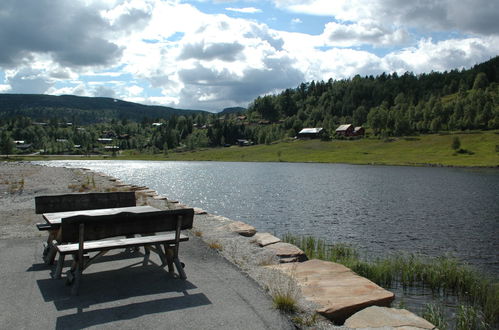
(444, 275)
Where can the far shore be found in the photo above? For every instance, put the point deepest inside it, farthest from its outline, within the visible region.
(478, 150)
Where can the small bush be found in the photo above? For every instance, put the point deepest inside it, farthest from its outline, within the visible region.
(285, 303)
(215, 245)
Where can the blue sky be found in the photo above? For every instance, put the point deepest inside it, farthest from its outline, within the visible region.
(212, 54)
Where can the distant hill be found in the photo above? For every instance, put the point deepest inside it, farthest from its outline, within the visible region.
(83, 110)
(232, 110)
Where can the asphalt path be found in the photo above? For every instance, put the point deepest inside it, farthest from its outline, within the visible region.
(120, 293)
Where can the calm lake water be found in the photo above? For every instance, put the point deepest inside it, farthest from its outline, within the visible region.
(379, 209)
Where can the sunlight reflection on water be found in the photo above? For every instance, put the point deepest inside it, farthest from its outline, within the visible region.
(380, 209)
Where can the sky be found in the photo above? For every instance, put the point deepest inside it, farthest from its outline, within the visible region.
(214, 54)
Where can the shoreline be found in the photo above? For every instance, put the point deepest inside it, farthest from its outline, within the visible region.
(30, 159)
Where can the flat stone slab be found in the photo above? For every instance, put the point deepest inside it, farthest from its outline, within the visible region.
(337, 290)
(159, 197)
(381, 317)
(199, 211)
(287, 252)
(264, 239)
(242, 228)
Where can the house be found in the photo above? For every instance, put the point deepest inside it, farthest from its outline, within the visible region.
(359, 131)
(310, 133)
(104, 140)
(345, 130)
(244, 143)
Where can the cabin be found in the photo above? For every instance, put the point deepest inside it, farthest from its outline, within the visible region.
(345, 130)
(244, 143)
(311, 133)
(359, 131)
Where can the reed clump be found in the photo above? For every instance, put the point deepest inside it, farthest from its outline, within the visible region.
(443, 275)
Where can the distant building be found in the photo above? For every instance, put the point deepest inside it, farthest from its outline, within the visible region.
(244, 143)
(104, 140)
(157, 124)
(311, 133)
(345, 130)
(359, 131)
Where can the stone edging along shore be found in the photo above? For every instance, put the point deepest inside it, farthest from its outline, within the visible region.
(329, 289)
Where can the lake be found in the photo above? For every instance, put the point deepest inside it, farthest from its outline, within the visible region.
(379, 209)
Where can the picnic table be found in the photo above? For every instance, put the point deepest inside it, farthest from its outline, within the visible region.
(80, 232)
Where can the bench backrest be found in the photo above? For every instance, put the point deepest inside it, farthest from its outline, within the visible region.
(123, 224)
(83, 201)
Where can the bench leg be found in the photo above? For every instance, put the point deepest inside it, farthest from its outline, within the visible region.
(180, 268)
(169, 258)
(60, 264)
(161, 254)
(147, 254)
(52, 252)
(75, 287)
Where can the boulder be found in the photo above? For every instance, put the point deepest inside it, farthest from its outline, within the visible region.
(159, 197)
(287, 252)
(380, 317)
(337, 290)
(242, 228)
(264, 239)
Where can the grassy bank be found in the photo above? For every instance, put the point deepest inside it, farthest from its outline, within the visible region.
(478, 294)
(478, 149)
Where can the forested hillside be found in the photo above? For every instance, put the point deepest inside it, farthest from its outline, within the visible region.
(79, 109)
(387, 105)
(392, 104)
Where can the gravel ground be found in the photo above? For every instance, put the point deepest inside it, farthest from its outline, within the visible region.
(20, 182)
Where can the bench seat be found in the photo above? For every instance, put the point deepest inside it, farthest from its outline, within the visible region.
(44, 226)
(93, 246)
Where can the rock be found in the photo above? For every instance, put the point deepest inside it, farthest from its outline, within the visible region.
(199, 211)
(336, 289)
(264, 239)
(159, 197)
(378, 317)
(287, 252)
(242, 228)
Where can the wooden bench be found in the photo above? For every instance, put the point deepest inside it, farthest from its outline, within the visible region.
(90, 232)
(75, 202)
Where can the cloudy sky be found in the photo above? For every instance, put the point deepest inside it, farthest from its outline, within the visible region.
(212, 54)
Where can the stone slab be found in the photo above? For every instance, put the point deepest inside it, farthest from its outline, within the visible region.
(337, 290)
(287, 252)
(382, 317)
(242, 228)
(264, 239)
(199, 211)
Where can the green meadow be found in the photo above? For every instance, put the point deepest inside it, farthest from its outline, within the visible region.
(477, 149)
(481, 149)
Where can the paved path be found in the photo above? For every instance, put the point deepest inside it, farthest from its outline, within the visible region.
(216, 295)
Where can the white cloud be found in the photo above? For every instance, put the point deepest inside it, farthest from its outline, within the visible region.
(246, 10)
(469, 16)
(207, 61)
(296, 21)
(134, 90)
(361, 33)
